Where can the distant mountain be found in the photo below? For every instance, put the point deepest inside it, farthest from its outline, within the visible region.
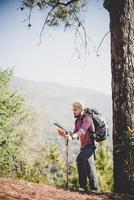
(55, 100)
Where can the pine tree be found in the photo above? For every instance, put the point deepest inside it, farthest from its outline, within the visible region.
(104, 163)
(12, 114)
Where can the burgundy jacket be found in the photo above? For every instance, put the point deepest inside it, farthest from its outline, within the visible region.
(86, 125)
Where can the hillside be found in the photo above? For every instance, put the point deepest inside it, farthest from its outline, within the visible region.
(54, 102)
(21, 190)
(56, 99)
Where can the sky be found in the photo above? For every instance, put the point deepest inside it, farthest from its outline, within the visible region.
(56, 59)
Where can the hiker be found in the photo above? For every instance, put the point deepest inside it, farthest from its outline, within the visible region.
(84, 127)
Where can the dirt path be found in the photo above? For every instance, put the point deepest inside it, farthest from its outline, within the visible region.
(21, 190)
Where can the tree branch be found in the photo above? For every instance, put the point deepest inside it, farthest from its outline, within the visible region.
(68, 3)
(106, 4)
(45, 22)
(101, 43)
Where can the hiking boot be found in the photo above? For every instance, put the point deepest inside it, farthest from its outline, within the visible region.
(94, 192)
(82, 190)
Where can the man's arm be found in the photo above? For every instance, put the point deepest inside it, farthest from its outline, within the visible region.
(76, 134)
(70, 136)
(86, 123)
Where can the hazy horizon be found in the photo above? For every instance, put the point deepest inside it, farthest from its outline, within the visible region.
(61, 84)
(56, 59)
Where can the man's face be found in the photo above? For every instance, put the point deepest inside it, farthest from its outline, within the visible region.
(76, 111)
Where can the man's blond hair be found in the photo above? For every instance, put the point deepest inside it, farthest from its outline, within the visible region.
(79, 104)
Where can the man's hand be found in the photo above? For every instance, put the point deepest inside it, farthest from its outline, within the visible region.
(68, 137)
(63, 134)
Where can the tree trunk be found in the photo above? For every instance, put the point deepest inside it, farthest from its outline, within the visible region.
(122, 66)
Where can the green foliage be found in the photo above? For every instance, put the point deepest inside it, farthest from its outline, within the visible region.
(17, 125)
(104, 163)
(12, 113)
(73, 176)
(68, 13)
(48, 166)
(54, 164)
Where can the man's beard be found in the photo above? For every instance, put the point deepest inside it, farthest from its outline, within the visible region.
(76, 116)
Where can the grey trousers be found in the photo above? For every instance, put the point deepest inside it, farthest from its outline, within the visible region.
(86, 168)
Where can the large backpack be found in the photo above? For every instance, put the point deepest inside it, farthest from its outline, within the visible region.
(101, 129)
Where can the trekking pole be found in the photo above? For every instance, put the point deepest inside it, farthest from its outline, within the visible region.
(67, 162)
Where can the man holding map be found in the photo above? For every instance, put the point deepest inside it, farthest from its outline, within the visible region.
(84, 127)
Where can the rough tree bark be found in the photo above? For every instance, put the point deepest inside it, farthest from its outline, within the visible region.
(122, 66)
